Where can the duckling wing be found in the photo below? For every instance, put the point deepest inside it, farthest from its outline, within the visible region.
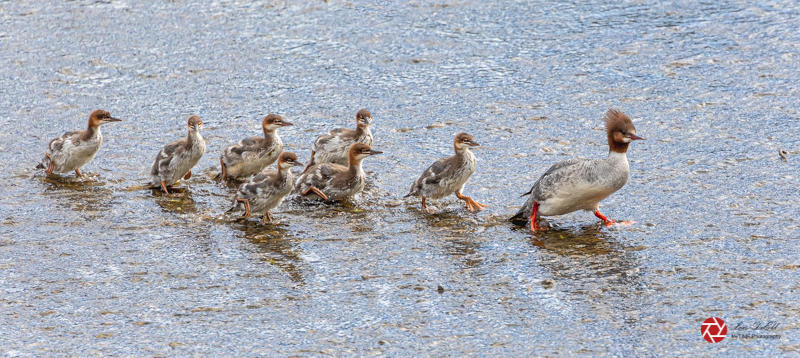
(320, 176)
(162, 162)
(68, 138)
(257, 185)
(246, 149)
(334, 140)
(432, 176)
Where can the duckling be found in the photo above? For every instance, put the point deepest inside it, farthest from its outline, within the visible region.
(580, 184)
(448, 175)
(253, 154)
(72, 150)
(175, 161)
(266, 190)
(333, 147)
(331, 181)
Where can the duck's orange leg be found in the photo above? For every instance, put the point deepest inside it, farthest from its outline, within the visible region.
(164, 187)
(78, 173)
(606, 220)
(224, 171)
(188, 175)
(315, 191)
(51, 165)
(246, 207)
(534, 224)
(310, 162)
(266, 218)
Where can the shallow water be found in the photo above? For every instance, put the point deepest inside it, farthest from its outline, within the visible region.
(102, 266)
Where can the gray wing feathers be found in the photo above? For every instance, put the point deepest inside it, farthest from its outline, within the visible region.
(431, 176)
(165, 156)
(549, 183)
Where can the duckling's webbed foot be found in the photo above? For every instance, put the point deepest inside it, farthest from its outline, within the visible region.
(50, 164)
(476, 204)
(246, 207)
(315, 190)
(472, 205)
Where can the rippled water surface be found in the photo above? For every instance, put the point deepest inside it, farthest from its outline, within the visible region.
(101, 266)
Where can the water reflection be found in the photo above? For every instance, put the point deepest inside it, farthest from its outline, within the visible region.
(277, 246)
(585, 255)
(456, 233)
(179, 201)
(86, 195)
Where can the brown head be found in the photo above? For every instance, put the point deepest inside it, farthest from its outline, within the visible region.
(620, 131)
(359, 151)
(464, 141)
(272, 122)
(195, 123)
(99, 117)
(363, 118)
(287, 160)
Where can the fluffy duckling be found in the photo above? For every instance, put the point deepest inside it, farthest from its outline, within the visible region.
(333, 147)
(175, 161)
(580, 184)
(330, 181)
(266, 190)
(72, 150)
(253, 154)
(448, 175)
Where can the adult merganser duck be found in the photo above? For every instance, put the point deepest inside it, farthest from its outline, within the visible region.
(448, 175)
(580, 184)
(266, 190)
(72, 150)
(333, 147)
(330, 181)
(176, 160)
(253, 154)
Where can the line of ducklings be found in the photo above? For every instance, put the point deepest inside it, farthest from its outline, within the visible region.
(334, 171)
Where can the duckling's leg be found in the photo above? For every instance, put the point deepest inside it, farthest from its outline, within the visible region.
(266, 218)
(315, 191)
(246, 207)
(164, 187)
(310, 162)
(188, 175)
(78, 173)
(427, 209)
(51, 165)
(534, 224)
(224, 171)
(606, 220)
